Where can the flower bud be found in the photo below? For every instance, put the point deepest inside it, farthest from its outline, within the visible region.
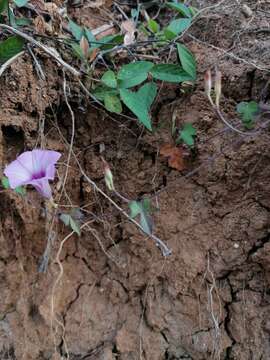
(108, 176)
(208, 83)
(218, 86)
(84, 45)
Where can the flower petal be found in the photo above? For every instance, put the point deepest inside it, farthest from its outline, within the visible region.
(17, 174)
(34, 167)
(42, 186)
(26, 161)
(50, 172)
(45, 160)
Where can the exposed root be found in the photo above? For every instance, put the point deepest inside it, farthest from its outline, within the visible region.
(215, 317)
(54, 288)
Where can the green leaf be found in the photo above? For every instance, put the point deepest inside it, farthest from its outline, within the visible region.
(10, 47)
(23, 21)
(140, 102)
(112, 103)
(187, 134)
(5, 182)
(3, 5)
(135, 104)
(101, 91)
(110, 41)
(134, 73)
(76, 30)
(12, 18)
(176, 27)
(143, 30)
(181, 8)
(108, 176)
(187, 60)
(77, 51)
(20, 3)
(153, 26)
(168, 35)
(193, 10)
(141, 208)
(248, 111)
(19, 189)
(74, 226)
(109, 79)
(170, 72)
(148, 93)
(134, 13)
(136, 79)
(69, 221)
(135, 208)
(89, 35)
(65, 219)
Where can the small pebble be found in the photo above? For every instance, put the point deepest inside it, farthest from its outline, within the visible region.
(246, 10)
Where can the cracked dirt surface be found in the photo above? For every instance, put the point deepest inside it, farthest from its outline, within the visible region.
(118, 299)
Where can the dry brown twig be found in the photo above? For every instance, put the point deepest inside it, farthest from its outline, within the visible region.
(228, 53)
(9, 62)
(162, 246)
(38, 67)
(215, 317)
(50, 51)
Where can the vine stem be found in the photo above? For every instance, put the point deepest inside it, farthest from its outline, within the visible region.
(50, 51)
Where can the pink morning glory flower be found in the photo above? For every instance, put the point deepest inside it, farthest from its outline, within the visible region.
(34, 168)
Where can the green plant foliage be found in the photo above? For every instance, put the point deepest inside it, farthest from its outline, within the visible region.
(170, 72)
(23, 21)
(10, 47)
(72, 223)
(20, 3)
(90, 37)
(181, 8)
(187, 60)
(147, 94)
(109, 79)
(5, 182)
(76, 30)
(19, 190)
(176, 27)
(248, 111)
(187, 135)
(110, 41)
(134, 13)
(3, 5)
(142, 209)
(140, 102)
(108, 176)
(144, 30)
(112, 103)
(134, 73)
(193, 10)
(77, 51)
(153, 26)
(101, 91)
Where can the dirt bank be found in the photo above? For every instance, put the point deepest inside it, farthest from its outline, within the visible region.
(118, 298)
